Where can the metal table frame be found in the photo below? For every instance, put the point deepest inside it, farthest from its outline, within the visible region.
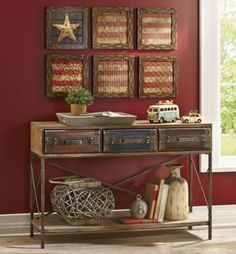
(34, 200)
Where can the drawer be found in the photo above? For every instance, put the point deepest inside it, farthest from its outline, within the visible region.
(129, 140)
(72, 141)
(184, 139)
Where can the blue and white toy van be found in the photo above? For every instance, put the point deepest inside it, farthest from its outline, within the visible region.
(163, 111)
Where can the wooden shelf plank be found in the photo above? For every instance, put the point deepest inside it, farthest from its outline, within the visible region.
(55, 224)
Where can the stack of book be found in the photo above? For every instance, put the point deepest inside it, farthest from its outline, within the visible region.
(156, 197)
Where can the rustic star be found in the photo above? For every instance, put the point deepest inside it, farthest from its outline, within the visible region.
(66, 29)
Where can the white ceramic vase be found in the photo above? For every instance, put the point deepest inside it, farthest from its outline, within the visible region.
(177, 201)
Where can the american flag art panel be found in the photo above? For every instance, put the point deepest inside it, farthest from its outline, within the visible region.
(112, 27)
(157, 28)
(158, 77)
(65, 72)
(113, 76)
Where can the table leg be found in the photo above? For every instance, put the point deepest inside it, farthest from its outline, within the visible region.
(42, 178)
(210, 196)
(190, 184)
(31, 197)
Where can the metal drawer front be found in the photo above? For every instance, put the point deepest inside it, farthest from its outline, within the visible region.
(72, 141)
(184, 139)
(129, 140)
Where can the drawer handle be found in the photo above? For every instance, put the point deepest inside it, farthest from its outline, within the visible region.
(116, 140)
(60, 141)
(201, 138)
(187, 139)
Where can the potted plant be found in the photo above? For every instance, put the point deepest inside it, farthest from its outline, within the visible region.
(79, 98)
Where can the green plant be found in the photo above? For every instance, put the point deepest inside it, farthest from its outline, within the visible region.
(79, 95)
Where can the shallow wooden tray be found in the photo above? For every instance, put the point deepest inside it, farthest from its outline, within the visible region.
(97, 119)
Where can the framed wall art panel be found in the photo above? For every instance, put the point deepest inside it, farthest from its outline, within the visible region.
(66, 27)
(113, 76)
(158, 77)
(157, 28)
(112, 27)
(64, 72)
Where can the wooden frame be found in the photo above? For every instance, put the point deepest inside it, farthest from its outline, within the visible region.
(66, 28)
(112, 27)
(113, 76)
(158, 77)
(64, 72)
(157, 28)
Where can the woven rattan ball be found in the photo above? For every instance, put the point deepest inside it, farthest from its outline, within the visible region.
(82, 204)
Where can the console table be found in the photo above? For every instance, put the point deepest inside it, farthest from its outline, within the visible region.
(53, 140)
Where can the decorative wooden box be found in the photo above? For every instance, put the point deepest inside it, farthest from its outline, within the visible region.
(184, 139)
(130, 140)
(72, 141)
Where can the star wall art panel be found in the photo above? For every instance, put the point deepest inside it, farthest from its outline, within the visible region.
(66, 27)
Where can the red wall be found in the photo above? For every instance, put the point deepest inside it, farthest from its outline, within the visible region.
(23, 101)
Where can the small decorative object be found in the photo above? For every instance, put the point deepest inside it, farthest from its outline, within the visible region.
(157, 28)
(113, 27)
(192, 117)
(113, 76)
(67, 27)
(177, 200)
(65, 72)
(158, 77)
(82, 203)
(79, 98)
(163, 111)
(138, 208)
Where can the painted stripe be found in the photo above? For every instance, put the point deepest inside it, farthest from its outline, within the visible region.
(78, 66)
(159, 85)
(112, 35)
(67, 72)
(112, 22)
(157, 91)
(154, 74)
(156, 30)
(160, 79)
(112, 89)
(112, 40)
(113, 78)
(113, 67)
(156, 20)
(155, 42)
(66, 83)
(156, 25)
(109, 29)
(113, 14)
(156, 36)
(156, 15)
(67, 78)
(158, 63)
(113, 72)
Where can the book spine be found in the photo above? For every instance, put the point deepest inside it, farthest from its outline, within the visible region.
(150, 198)
(158, 202)
(163, 203)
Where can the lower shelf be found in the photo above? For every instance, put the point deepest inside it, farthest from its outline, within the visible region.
(55, 224)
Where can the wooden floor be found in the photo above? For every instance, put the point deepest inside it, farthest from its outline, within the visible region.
(159, 242)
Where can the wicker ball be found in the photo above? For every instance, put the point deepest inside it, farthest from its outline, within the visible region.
(82, 205)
